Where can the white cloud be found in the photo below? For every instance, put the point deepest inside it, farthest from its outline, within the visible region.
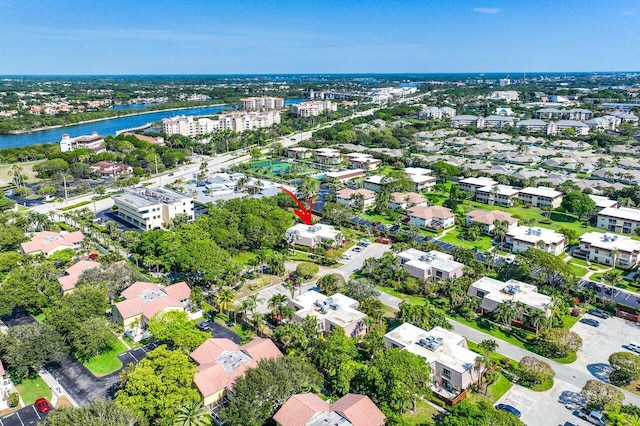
(489, 10)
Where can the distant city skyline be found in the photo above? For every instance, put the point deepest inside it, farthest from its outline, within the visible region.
(286, 37)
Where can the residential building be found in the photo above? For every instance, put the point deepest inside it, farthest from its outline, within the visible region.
(299, 152)
(500, 195)
(622, 219)
(93, 142)
(625, 117)
(375, 183)
(358, 198)
(362, 161)
(345, 175)
(541, 197)
(451, 362)
(406, 200)
(496, 122)
(486, 219)
(436, 113)
(261, 103)
(421, 178)
(466, 121)
(328, 156)
(606, 122)
(603, 248)
(72, 274)
(505, 95)
(506, 112)
(580, 128)
(522, 238)
(111, 169)
(603, 202)
(315, 235)
(143, 300)
(47, 242)
(431, 266)
(533, 125)
(307, 409)
(151, 208)
(235, 121)
(494, 292)
(313, 108)
(330, 312)
(435, 217)
(221, 362)
(471, 184)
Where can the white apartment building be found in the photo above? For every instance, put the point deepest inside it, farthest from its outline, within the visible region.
(405, 200)
(522, 238)
(436, 113)
(434, 217)
(447, 353)
(313, 236)
(494, 292)
(533, 125)
(236, 121)
(328, 156)
(500, 195)
(261, 103)
(374, 183)
(496, 122)
(356, 198)
(431, 266)
(505, 95)
(93, 142)
(472, 184)
(580, 128)
(622, 219)
(313, 108)
(465, 121)
(151, 208)
(540, 197)
(336, 311)
(603, 202)
(362, 161)
(601, 248)
(421, 178)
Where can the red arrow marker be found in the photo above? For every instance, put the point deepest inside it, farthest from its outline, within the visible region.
(303, 213)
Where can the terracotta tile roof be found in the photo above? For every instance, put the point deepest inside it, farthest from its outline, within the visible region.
(136, 288)
(430, 212)
(208, 351)
(48, 242)
(259, 349)
(415, 198)
(179, 291)
(347, 193)
(359, 410)
(488, 217)
(300, 409)
(69, 281)
(149, 299)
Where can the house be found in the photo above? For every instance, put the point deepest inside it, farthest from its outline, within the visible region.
(493, 292)
(328, 156)
(603, 248)
(151, 208)
(357, 198)
(501, 195)
(533, 126)
(315, 235)
(345, 175)
(71, 275)
(221, 362)
(93, 142)
(435, 217)
(522, 238)
(299, 152)
(603, 202)
(307, 409)
(405, 200)
(358, 160)
(486, 218)
(421, 178)
(622, 219)
(431, 266)
(541, 197)
(336, 311)
(471, 184)
(47, 242)
(111, 169)
(451, 362)
(144, 300)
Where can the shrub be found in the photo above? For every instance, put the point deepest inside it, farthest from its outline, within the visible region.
(13, 399)
(535, 371)
(307, 270)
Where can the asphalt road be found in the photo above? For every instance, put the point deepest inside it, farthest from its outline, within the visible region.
(23, 417)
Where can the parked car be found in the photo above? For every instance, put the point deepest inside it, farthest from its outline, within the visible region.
(593, 417)
(171, 174)
(363, 243)
(377, 223)
(357, 249)
(590, 321)
(635, 347)
(42, 405)
(346, 256)
(203, 325)
(598, 313)
(394, 228)
(509, 409)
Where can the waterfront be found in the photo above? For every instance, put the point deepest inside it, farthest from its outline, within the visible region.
(108, 126)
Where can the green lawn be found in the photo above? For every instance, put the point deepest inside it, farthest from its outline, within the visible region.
(425, 415)
(416, 300)
(544, 386)
(483, 243)
(244, 258)
(32, 389)
(569, 320)
(39, 317)
(107, 362)
(495, 391)
(386, 220)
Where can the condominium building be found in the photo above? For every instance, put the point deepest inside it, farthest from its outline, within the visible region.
(431, 266)
(579, 127)
(261, 103)
(471, 184)
(313, 236)
(151, 208)
(375, 183)
(436, 113)
(307, 409)
(328, 156)
(487, 218)
(362, 161)
(603, 202)
(494, 292)
(406, 200)
(608, 248)
(313, 108)
(47, 242)
(235, 121)
(522, 238)
(434, 217)
(533, 125)
(622, 219)
(451, 362)
(496, 122)
(330, 312)
(357, 198)
(500, 195)
(465, 121)
(541, 197)
(299, 152)
(93, 142)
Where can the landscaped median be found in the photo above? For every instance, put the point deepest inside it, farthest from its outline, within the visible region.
(107, 362)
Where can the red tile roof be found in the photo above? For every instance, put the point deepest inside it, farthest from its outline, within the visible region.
(69, 281)
(149, 299)
(300, 409)
(359, 410)
(48, 242)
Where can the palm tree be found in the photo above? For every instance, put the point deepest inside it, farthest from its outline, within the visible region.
(495, 191)
(253, 301)
(224, 299)
(358, 200)
(614, 255)
(506, 312)
(289, 285)
(479, 366)
(291, 237)
(500, 228)
(538, 319)
(488, 348)
(193, 414)
(256, 321)
(245, 305)
(275, 304)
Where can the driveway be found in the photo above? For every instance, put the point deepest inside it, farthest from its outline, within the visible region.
(220, 331)
(552, 407)
(136, 355)
(23, 417)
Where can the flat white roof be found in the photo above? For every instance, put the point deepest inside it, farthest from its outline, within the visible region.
(434, 258)
(479, 181)
(448, 353)
(610, 241)
(375, 179)
(338, 175)
(621, 213)
(417, 171)
(506, 190)
(520, 292)
(319, 229)
(602, 202)
(336, 309)
(535, 234)
(541, 191)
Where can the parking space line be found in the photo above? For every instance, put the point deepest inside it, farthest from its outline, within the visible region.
(20, 418)
(36, 411)
(132, 356)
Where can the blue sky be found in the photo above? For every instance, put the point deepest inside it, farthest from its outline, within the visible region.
(303, 36)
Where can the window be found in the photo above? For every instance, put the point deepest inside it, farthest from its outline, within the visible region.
(446, 373)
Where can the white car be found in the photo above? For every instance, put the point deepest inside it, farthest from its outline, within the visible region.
(346, 256)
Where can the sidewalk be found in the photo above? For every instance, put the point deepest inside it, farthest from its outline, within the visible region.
(56, 389)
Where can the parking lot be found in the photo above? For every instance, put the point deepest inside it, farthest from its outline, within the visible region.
(618, 295)
(136, 355)
(23, 417)
(552, 407)
(221, 332)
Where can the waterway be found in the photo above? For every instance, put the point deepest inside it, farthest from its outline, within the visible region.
(109, 126)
